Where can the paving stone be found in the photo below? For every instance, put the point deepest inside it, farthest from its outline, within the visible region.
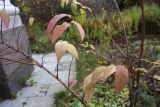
(46, 101)
(41, 94)
(54, 88)
(34, 91)
(14, 103)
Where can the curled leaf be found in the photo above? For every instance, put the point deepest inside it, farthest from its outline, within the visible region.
(121, 78)
(59, 30)
(72, 49)
(5, 17)
(60, 49)
(80, 29)
(53, 22)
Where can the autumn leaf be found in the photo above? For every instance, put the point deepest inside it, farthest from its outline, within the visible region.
(71, 49)
(102, 73)
(5, 17)
(31, 21)
(80, 29)
(59, 30)
(92, 47)
(53, 22)
(99, 73)
(72, 83)
(88, 88)
(121, 78)
(60, 49)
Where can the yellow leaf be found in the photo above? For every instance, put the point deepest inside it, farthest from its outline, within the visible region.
(92, 47)
(60, 49)
(31, 21)
(71, 49)
(157, 77)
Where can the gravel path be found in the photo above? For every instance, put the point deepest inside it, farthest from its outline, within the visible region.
(41, 87)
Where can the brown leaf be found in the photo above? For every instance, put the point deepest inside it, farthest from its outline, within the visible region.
(88, 88)
(5, 17)
(102, 73)
(80, 29)
(53, 22)
(99, 73)
(121, 78)
(59, 30)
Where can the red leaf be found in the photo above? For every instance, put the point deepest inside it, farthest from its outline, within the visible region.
(121, 78)
(72, 83)
(5, 17)
(59, 30)
(53, 22)
(80, 29)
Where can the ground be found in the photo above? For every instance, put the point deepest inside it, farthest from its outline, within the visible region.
(41, 87)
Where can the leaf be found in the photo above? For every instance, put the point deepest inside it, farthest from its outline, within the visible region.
(157, 77)
(87, 81)
(87, 8)
(99, 73)
(31, 21)
(121, 78)
(102, 73)
(60, 49)
(71, 49)
(59, 30)
(53, 22)
(80, 29)
(92, 47)
(5, 17)
(72, 83)
(88, 88)
(89, 92)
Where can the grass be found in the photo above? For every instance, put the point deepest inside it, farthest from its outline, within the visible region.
(38, 39)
